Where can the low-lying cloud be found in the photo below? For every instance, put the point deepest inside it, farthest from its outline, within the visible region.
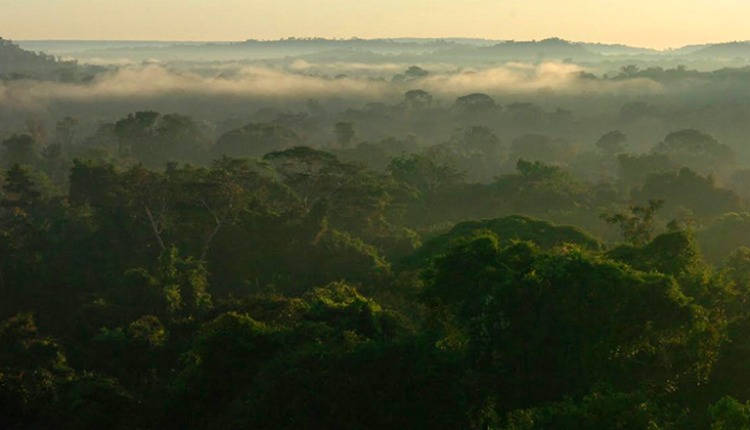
(153, 81)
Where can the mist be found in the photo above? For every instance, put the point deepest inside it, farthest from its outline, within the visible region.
(387, 233)
(302, 80)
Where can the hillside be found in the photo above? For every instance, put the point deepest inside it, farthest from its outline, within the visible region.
(17, 63)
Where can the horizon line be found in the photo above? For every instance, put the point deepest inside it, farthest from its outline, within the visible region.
(354, 38)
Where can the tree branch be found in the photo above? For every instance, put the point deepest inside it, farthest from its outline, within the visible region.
(157, 231)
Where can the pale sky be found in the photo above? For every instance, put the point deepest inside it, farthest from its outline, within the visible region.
(656, 23)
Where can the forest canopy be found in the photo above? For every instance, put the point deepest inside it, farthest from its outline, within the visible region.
(358, 234)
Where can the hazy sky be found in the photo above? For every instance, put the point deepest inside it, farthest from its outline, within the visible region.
(655, 23)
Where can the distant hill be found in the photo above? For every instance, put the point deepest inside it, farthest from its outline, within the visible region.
(17, 63)
(687, 49)
(438, 48)
(383, 46)
(723, 51)
(553, 48)
(464, 51)
(14, 59)
(618, 49)
(455, 40)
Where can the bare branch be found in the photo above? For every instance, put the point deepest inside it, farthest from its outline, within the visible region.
(210, 210)
(207, 243)
(157, 231)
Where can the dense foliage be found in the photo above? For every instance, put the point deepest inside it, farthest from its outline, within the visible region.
(294, 291)
(157, 271)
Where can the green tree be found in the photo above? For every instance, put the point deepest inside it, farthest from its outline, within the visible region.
(475, 103)
(345, 134)
(637, 224)
(184, 283)
(417, 99)
(633, 169)
(612, 143)
(32, 368)
(728, 413)
(255, 140)
(696, 150)
(21, 149)
(687, 189)
(541, 326)
(231, 344)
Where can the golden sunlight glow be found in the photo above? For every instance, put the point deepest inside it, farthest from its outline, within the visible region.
(662, 23)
